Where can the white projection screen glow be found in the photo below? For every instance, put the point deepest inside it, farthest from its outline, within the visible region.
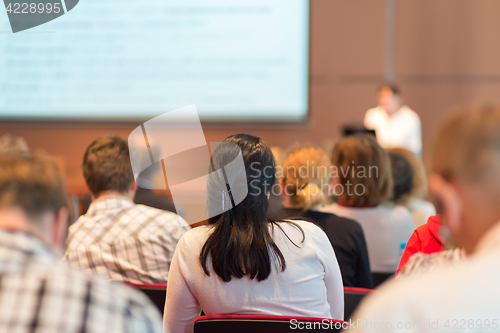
(128, 60)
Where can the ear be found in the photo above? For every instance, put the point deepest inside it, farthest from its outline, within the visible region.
(60, 227)
(133, 186)
(447, 194)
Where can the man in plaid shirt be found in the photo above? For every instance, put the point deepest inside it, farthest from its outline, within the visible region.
(117, 238)
(38, 291)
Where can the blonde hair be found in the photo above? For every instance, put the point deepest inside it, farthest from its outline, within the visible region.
(306, 189)
(419, 187)
(467, 146)
(362, 153)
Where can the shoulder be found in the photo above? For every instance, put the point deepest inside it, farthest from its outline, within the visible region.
(159, 215)
(373, 115)
(409, 113)
(104, 294)
(313, 234)
(409, 298)
(333, 221)
(397, 212)
(194, 238)
(306, 226)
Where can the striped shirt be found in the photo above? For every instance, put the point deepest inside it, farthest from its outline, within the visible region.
(125, 241)
(41, 293)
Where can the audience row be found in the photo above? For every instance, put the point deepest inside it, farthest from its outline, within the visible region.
(344, 221)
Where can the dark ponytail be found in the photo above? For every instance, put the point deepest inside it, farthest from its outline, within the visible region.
(241, 243)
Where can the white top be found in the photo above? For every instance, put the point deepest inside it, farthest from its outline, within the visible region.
(463, 298)
(401, 129)
(385, 228)
(311, 284)
(420, 210)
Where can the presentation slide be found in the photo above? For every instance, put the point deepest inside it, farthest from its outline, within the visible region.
(128, 60)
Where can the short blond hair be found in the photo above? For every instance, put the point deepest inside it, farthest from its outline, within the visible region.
(362, 152)
(467, 145)
(306, 188)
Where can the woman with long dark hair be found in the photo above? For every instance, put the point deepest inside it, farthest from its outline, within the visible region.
(244, 263)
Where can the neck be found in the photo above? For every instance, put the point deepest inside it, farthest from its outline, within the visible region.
(14, 219)
(389, 113)
(111, 193)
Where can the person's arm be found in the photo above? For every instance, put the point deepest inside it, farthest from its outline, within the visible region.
(363, 276)
(415, 136)
(181, 307)
(333, 277)
(368, 120)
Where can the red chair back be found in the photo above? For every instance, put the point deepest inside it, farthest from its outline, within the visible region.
(265, 323)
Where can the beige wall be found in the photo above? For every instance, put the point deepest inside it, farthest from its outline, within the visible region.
(447, 52)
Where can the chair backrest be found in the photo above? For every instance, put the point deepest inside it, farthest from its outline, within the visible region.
(157, 293)
(265, 323)
(352, 298)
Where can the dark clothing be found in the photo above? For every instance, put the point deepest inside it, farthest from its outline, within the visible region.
(147, 197)
(348, 242)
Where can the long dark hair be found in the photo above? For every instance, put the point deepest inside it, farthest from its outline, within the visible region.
(241, 243)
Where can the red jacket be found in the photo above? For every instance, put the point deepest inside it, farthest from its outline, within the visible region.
(424, 239)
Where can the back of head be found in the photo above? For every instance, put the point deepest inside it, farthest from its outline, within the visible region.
(402, 174)
(389, 98)
(306, 175)
(13, 145)
(465, 166)
(467, 145)
(31, 183)
(106, 165)
(392, 87)
(240, 241)
(419, 187)
(362, 170)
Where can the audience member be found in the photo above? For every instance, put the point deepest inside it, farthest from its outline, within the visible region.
(39, 292)
(402, 175)
(117, 238)
(425, 239)
(244, 263)
(465, 180)
(306, 178)
(395, 124)
(412, 199)
(362, 184)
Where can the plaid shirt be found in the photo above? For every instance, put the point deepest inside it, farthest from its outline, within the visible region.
(41, 293)
(125, 241)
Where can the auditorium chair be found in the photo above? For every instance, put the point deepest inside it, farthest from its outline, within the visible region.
(156, 293)
(264, 323)
(352, 298)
